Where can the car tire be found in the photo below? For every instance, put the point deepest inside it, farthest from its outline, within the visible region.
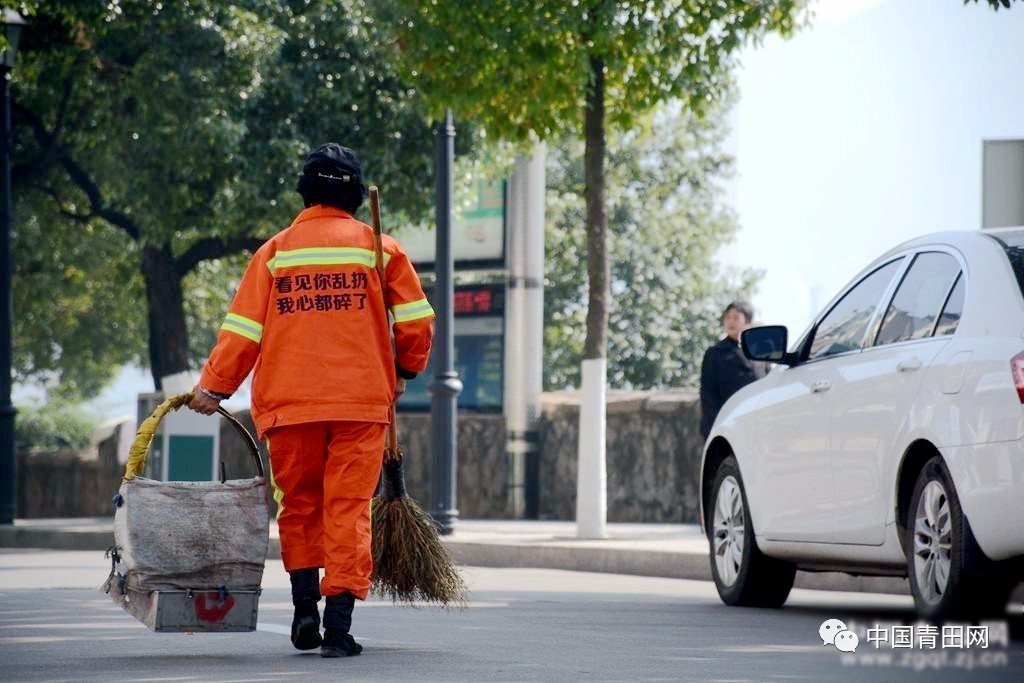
(950, 576)
(743, 574)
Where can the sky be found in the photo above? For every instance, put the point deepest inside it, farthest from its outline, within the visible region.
(862, 131)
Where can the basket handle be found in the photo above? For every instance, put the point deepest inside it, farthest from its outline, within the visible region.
(144, 437)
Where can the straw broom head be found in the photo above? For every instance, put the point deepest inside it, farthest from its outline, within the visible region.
(410, 563)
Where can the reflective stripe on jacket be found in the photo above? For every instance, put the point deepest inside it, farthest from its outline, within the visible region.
(309, 316)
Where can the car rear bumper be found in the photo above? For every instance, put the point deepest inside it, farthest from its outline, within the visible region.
(989, 480)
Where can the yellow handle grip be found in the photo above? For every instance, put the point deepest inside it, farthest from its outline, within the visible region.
(144, 437)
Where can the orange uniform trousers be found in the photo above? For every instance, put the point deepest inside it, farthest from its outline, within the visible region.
(324, 475)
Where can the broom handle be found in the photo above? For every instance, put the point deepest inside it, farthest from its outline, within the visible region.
(378, 246)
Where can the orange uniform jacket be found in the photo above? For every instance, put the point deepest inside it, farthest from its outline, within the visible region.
(310, 316)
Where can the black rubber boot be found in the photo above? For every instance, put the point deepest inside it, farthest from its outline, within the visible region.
(306, 622)
(337, 622)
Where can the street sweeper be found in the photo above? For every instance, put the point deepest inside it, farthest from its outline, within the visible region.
(312, 316)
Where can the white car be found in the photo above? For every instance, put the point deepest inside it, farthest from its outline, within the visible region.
(888, 440)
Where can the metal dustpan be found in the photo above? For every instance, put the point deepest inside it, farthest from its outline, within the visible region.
(188, 556)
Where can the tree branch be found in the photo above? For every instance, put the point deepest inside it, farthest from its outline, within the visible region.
(92, 191)
(72, 215)
(65, 101)
(79, 175)
(210, 248)
(49, 140)
(24, 173)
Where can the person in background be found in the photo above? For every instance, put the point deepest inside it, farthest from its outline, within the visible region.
(725, 369)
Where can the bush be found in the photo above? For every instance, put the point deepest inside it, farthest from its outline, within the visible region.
(58, 424)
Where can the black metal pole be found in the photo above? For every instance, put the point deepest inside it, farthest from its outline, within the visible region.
(8, 464)
(445, 388)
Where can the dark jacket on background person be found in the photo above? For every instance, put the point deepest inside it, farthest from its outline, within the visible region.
(724, 372)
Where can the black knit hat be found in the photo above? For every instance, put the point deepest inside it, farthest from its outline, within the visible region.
(333, 175)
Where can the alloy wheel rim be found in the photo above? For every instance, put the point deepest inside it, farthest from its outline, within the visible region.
(933, 542)
(728, 531)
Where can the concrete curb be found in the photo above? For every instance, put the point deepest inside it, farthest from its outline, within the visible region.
(587, 559)
(55, 539)
(692, 566)
(610, 560)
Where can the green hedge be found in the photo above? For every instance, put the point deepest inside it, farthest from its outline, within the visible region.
(54, 425)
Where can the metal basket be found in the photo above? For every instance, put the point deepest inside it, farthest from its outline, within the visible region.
(188, 556)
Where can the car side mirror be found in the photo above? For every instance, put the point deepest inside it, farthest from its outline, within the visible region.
(768, 343)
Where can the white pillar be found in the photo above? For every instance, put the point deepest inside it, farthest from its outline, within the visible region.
(1002, 183)
(592, 477)
(524, 333)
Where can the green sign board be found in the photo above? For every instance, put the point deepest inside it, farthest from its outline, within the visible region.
(190, 458)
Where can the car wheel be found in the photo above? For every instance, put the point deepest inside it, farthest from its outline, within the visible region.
(743, 574)
(950, 576)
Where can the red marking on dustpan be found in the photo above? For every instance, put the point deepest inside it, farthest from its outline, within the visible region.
(211, 609)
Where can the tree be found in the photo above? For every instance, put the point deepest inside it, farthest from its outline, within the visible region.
(527, 69)
(664, 200)
(126, 125)
(530, 68)
(182, 126)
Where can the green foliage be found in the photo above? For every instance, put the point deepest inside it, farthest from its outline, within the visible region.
(994, 4)
(664, 205)
(210, 287)
(77, 301)
(330, 80)
(56, 424)
(528, 69)
(149, 103)
(522, 67)
(181, 126)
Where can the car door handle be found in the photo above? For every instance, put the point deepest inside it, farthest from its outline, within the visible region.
(909, 365)
(821, 385)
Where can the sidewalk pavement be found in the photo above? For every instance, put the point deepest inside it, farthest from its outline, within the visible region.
(666, 550)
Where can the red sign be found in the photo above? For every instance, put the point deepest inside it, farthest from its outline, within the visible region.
(474, 301)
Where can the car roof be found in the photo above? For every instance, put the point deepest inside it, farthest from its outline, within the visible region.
(970, 243)
(959, 239)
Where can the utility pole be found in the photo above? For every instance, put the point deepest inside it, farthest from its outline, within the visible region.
(12, 26)
(446, 387)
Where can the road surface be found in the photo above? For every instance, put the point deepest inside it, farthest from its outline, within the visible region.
(521, 625)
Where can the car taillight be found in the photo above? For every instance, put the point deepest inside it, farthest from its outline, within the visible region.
(1017, 367)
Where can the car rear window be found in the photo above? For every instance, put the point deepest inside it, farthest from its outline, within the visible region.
(1012, 242)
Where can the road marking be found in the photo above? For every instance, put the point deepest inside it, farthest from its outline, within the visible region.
(273, 628)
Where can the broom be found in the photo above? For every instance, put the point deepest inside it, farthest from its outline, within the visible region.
(410, 563)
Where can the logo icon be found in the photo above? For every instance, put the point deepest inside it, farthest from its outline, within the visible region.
(835, 632)
(847, 641)
(828, 631)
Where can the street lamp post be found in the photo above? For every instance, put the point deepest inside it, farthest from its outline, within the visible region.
(446, 387)
(12, 25)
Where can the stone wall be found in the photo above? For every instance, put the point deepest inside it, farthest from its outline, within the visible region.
(69, 483)
(653, 450)
(482, 471)
(653, 442)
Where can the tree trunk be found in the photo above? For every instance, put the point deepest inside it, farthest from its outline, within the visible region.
(168, 332)
(598, 269)
(591, 472)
